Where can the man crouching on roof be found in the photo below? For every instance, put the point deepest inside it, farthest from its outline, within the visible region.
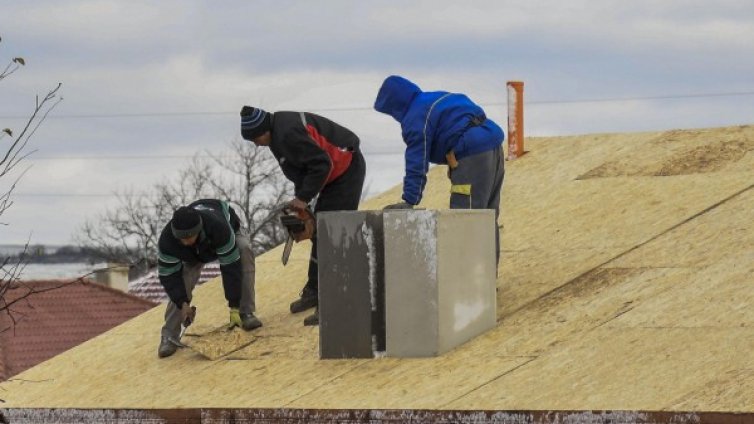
(202, 232)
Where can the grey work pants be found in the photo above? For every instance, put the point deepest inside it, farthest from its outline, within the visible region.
(191, 272)
(476, 184)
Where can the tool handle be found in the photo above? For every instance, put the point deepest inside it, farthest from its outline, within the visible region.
(189, 320)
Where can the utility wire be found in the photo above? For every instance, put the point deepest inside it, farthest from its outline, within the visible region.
(631, 99)
(145, 157)
(365, 108)
(68, 195)
(340, 109)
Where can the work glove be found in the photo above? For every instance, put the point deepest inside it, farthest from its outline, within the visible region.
(235, 318)
(188, 313)
(400, 205)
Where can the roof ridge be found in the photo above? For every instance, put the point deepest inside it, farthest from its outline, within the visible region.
(121, 293)
(65, 282)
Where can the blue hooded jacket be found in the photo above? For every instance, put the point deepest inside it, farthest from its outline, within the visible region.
(432, 124)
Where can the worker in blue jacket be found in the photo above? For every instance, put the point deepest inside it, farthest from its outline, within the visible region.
(446, 128)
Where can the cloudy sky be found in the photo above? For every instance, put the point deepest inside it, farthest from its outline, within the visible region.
(147, 84)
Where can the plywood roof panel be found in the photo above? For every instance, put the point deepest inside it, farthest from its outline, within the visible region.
(630, 288)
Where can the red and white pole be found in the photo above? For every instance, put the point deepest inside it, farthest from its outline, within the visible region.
(515, 119)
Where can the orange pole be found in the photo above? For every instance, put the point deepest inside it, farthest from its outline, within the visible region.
(515, 119)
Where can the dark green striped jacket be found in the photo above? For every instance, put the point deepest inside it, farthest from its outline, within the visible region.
(217, 241)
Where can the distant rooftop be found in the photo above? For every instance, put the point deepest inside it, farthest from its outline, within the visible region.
(60, 316)
(148, 286)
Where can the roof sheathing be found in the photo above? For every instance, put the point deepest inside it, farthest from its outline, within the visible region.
(620, 289)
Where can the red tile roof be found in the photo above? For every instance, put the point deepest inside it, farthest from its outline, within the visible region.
(60, 316)
(149, 287)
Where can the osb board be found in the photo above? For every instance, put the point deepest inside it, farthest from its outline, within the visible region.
(118, 371)
(734, 387)
(526, 275)
(714, 235)
(624, 369)
(609, 212)
(576, 323)
(259, 383)
(717, 296)
(410, 383)
(219, 342)
(590, 301)
(289, 339)
(680, 152)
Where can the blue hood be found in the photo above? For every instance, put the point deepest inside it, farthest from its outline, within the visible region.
(395, 96)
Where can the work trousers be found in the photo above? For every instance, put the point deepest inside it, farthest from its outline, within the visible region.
(343, 194)
(476, 184)
(191, 272)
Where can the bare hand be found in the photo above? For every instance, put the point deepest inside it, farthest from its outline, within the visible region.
(297, 204)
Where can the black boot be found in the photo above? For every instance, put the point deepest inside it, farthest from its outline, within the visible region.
(250, 322)
(312, 319)
(307, 300)
(167, 347)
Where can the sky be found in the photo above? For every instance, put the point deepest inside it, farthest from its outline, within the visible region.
(147, 84)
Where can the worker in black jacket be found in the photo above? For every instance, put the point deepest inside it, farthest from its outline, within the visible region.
(323, 161)
(207, 230)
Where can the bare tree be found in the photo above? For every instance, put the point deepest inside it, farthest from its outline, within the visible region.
(247, 177)
(255, 184)
(129, 232)
(12, 267)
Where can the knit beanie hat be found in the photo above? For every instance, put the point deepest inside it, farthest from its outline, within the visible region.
(254, 122)
(186, 222)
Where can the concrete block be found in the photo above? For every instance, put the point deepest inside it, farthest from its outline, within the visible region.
(351, 288)
(440, 278)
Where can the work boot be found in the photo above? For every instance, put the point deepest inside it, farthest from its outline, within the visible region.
(312, 319)
(166, 348)
(307, 300)
(250, 322)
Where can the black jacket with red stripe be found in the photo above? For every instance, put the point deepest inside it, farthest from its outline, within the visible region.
(312, 150)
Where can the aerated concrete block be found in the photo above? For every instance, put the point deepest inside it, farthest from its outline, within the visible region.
(351, 288)
(440, 273)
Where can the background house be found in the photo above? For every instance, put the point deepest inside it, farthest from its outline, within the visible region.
(149, 287)
(58, 317)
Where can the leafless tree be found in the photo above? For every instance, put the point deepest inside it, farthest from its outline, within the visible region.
(254, 184)
(129, 232)
(11, 158)
(247, 177)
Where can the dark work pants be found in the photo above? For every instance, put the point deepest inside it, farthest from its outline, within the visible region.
(476, 184)
(191, 274)
(343, 194)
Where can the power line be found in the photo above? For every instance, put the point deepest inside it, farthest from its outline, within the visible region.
(65, 195)
(158, 157)
(631, 99)
(369, 108)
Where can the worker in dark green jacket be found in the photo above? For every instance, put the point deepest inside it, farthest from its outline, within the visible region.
(207, 230)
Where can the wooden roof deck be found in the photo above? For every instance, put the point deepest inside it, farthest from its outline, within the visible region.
(626, 283)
